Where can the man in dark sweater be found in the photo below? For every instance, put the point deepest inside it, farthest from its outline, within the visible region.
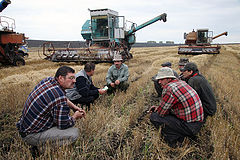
(84, 92)
(202, 87)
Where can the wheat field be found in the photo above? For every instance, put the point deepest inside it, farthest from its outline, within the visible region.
(118, 126)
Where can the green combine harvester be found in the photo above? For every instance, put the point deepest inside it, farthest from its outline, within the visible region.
(105, 35)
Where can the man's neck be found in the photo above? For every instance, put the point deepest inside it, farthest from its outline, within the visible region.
(118, 66)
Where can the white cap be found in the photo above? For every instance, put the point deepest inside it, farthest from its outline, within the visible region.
(165, 72)
(117, 57)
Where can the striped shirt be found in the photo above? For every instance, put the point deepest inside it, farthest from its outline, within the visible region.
(45, 107)
(182, 100)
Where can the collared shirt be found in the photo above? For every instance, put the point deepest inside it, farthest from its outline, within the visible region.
(45, 107)
(182, 100)
(120, 74)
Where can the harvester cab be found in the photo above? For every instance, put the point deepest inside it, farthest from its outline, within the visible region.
(105, 26)
(107, 29)
(106, 34)
(10, 41)
(199, 42)
(200, 37)
(204, 37)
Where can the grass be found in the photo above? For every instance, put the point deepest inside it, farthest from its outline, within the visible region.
(117, 126)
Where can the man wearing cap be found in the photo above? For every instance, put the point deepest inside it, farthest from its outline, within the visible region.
(180, 112)
(117, 75)
(202, 87)
(157, 86)
(181, 64)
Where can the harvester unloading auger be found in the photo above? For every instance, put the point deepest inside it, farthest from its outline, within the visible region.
(105, 35)
(199, 42)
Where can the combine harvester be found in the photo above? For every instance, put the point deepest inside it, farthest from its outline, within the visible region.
(105, 35)
(10, 41)
(199, 42)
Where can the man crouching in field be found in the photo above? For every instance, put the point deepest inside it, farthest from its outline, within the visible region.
(45, 117)
(180, 112)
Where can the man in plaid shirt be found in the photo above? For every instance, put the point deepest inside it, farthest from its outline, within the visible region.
(180, 112)
(45, 116)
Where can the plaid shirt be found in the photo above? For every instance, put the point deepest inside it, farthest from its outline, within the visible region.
(46, 106)
(180, 99)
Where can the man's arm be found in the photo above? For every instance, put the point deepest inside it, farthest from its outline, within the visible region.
(61, 116)
(124, 75)
(79, 115)
(76, 109)
(73, 106)
(109, 76)
(166, 103)
(83, 89)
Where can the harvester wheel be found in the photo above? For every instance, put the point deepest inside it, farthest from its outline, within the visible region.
(18, 61)
(48, 49)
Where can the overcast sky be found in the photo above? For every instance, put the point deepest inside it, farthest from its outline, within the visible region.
(63, 19)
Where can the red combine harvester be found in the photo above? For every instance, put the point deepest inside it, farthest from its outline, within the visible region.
(199, 42)
(10, 41)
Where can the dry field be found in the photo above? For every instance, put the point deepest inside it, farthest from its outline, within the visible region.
(118, 126)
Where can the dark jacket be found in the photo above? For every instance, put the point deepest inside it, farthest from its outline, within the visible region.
(83, 87)
(205, 92)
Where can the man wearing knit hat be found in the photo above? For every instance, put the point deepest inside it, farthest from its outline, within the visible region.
(199, 83)
(181, 64)
(180, 112)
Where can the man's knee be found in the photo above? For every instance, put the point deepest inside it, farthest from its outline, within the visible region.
(155, 119)
(96, 96)
(74, 134)
(124, 86)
